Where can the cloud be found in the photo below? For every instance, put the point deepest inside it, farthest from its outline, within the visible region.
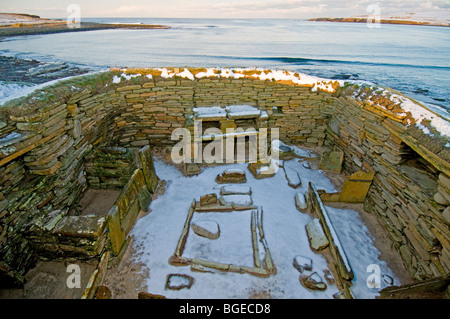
(279, 9)
(230, 8)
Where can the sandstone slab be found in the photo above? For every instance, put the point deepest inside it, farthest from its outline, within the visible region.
(179, 281)
(206, 228)
(231, 176)
(292, 177)
(301, 202)
(302, 263)
(317, 238)
(356, 187)
(313, 282)
(332, 161)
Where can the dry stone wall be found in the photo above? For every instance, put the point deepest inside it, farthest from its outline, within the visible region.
(51, 146)
(409, 189)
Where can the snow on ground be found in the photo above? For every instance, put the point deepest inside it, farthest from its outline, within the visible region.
(156, 236)
(358, 245)
(9, 91)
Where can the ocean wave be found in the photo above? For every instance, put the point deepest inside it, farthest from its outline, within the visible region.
(306, 61)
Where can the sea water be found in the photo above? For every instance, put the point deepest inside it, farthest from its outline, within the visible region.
(414, 60)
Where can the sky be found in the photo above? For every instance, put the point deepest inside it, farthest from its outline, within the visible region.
(292, 9)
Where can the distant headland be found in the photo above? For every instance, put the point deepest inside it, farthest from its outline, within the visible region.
(383, 21)
(14, 24)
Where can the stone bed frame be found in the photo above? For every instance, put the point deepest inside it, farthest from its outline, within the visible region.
(50, 139)
(264, 269)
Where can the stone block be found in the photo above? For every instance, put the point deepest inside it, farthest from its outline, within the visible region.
(116, 234)
(145, 198)
(317, 238)
(206, 228)
(301, 202)
(235, 190)
(129, 192)
(88, 226)
(261, 169)
(151, 179)
(313, 282)
(332, 161)
(302, 263)
(191, 169)
(179, 281)
(292, 177)
(208, 199)
(231, 176)
(356, 187)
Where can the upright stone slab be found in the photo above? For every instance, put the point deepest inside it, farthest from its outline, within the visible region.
(151, 179)
(116, 234)
(206, 228)
(356, 187)
(145, 198)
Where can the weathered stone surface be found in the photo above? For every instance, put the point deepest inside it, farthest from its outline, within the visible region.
(116, 234)
(283, 151)
(317, 238)
(103, 292)
(206, 228)
(238, 202)
(151, 179)
(302, 263)
(146, 295)
(129, 193)
(313, 282)
(235, 190)
(440, 199)
(292, 177)
(179, 281)
(331, 161)
(208, 199)
(300, 202)
(231, 176)
(192, 169)
(356, 187)
(89, 226)
(144, 198)
(262, 170)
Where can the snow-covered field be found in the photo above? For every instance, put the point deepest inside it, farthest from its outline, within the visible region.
(156, 236)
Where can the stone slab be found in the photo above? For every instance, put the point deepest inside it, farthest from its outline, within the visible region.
(317, 238)
(148, 169)
(356, 187)
(332, 161)
(206, 228)
(116, 234)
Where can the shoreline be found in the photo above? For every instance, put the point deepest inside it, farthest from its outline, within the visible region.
(47, 28)
(13, 24)
(382, 21)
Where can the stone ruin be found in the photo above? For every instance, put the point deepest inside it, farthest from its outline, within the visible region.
(94, 132)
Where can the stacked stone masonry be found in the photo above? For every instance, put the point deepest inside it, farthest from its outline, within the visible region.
(51, 147)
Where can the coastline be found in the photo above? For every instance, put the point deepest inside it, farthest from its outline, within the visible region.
(23, 24)
(383, 21)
